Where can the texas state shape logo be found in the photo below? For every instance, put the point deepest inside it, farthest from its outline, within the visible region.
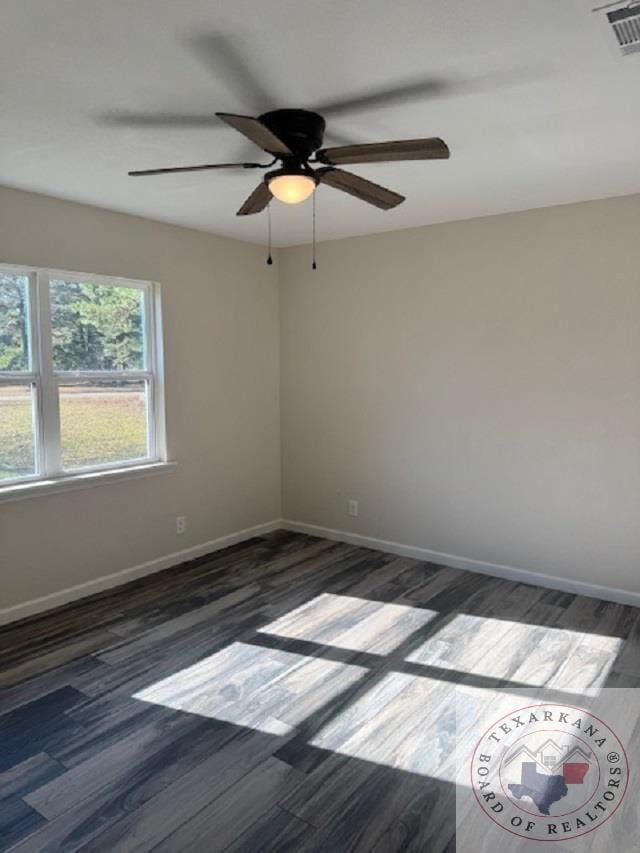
(547, 771)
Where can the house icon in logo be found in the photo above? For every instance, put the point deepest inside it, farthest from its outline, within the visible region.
(550, 757)
(550, 754)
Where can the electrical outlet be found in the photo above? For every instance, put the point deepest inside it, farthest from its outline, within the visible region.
(181, 524)
(353, 508)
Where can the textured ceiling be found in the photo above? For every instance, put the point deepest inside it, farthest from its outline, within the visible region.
(535, 100)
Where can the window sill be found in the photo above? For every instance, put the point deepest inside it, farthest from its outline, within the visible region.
(71, 482)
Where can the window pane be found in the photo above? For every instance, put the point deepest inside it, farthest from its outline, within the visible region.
(97, 327)
(14, 322)
(102, 423)
(17, 454)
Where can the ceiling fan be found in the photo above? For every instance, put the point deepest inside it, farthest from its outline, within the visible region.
(294, 137)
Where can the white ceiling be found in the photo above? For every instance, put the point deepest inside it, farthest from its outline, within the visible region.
(540, 107)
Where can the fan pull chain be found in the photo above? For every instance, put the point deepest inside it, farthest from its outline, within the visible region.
(269, 258)
(314, 266)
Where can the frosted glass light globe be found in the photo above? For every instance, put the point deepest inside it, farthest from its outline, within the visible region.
(292, 189)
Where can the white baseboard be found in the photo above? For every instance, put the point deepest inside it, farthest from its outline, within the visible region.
(73, 593)
(65, 596)
(619, 596)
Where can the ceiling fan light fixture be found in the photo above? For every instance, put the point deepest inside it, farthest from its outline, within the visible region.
(291, 188)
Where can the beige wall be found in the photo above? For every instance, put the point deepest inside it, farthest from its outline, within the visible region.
(220, 311)
(476, 386)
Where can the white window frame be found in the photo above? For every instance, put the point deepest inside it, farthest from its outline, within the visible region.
(46, 381)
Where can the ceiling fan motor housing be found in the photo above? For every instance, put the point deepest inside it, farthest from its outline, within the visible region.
(301, 130)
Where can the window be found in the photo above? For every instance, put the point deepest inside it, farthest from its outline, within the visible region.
(80, 382)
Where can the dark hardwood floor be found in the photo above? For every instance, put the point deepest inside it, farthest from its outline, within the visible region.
(275, 696)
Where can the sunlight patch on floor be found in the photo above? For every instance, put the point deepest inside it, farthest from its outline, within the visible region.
(520, 652)
(264, 689)
(351, 623)
(417, 724)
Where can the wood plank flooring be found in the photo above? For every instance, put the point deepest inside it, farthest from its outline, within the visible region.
(275, 696)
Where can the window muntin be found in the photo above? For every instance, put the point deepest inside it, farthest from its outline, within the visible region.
(79, 364)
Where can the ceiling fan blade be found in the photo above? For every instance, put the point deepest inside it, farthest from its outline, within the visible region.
(257, 132)
(409, 90)
(124, 118)
(383, 152)
(257, 201)
(427, 88)
(229, 60)
(360, 188)
(141, 172)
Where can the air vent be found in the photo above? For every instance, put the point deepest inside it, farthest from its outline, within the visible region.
(626, 26)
